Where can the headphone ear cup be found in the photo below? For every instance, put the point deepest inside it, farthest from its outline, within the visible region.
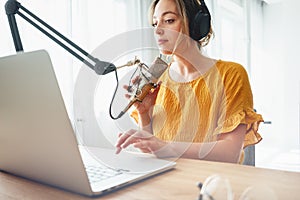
(200, 25)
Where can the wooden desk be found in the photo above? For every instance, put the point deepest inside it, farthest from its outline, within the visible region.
(176, 184)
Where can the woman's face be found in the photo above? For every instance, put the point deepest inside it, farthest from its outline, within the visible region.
(167, 23)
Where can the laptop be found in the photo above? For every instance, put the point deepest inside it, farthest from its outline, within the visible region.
(38, 142)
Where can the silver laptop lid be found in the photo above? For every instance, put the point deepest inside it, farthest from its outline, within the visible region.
(36, 138)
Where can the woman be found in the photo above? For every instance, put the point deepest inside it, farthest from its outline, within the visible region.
(203, 108)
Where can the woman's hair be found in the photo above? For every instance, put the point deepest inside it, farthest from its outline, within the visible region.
(187, 9)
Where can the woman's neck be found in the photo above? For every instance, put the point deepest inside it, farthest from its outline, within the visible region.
(189, 65)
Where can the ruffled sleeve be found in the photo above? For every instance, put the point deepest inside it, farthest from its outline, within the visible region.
(251, 119)
(237, 105)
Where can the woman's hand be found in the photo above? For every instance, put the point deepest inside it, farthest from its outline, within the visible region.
(143, 140)
(145, 107)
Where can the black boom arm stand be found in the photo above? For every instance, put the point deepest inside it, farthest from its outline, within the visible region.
(13, 7)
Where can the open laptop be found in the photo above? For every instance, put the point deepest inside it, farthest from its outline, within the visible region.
(37, 140)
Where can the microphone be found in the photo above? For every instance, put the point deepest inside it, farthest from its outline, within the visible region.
(146, 81)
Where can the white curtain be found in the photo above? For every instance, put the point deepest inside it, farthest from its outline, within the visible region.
(88, 23)
(57, 14)
(231, 24)
(276, 85)
(98, 25)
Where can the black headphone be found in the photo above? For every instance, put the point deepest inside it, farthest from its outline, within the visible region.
(199, 21)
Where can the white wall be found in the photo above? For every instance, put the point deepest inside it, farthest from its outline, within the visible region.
(276, 85)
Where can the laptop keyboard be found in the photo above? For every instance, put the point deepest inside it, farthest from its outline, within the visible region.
(100, 173)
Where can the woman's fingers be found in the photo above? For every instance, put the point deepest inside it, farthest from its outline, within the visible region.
(136, 137)
(119, 149)
(128, 88)
(128, 96)
(120, 142)
(136, 80)
(123, 137)
(132, 137)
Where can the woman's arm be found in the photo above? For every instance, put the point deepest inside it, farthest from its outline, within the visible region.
(227, 148)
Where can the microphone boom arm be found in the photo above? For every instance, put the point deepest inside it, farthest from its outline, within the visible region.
(12, 7)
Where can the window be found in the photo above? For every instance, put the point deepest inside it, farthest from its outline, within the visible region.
(229, 19)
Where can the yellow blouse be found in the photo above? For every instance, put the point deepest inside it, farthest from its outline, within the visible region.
(199, 110)
(215, 103)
